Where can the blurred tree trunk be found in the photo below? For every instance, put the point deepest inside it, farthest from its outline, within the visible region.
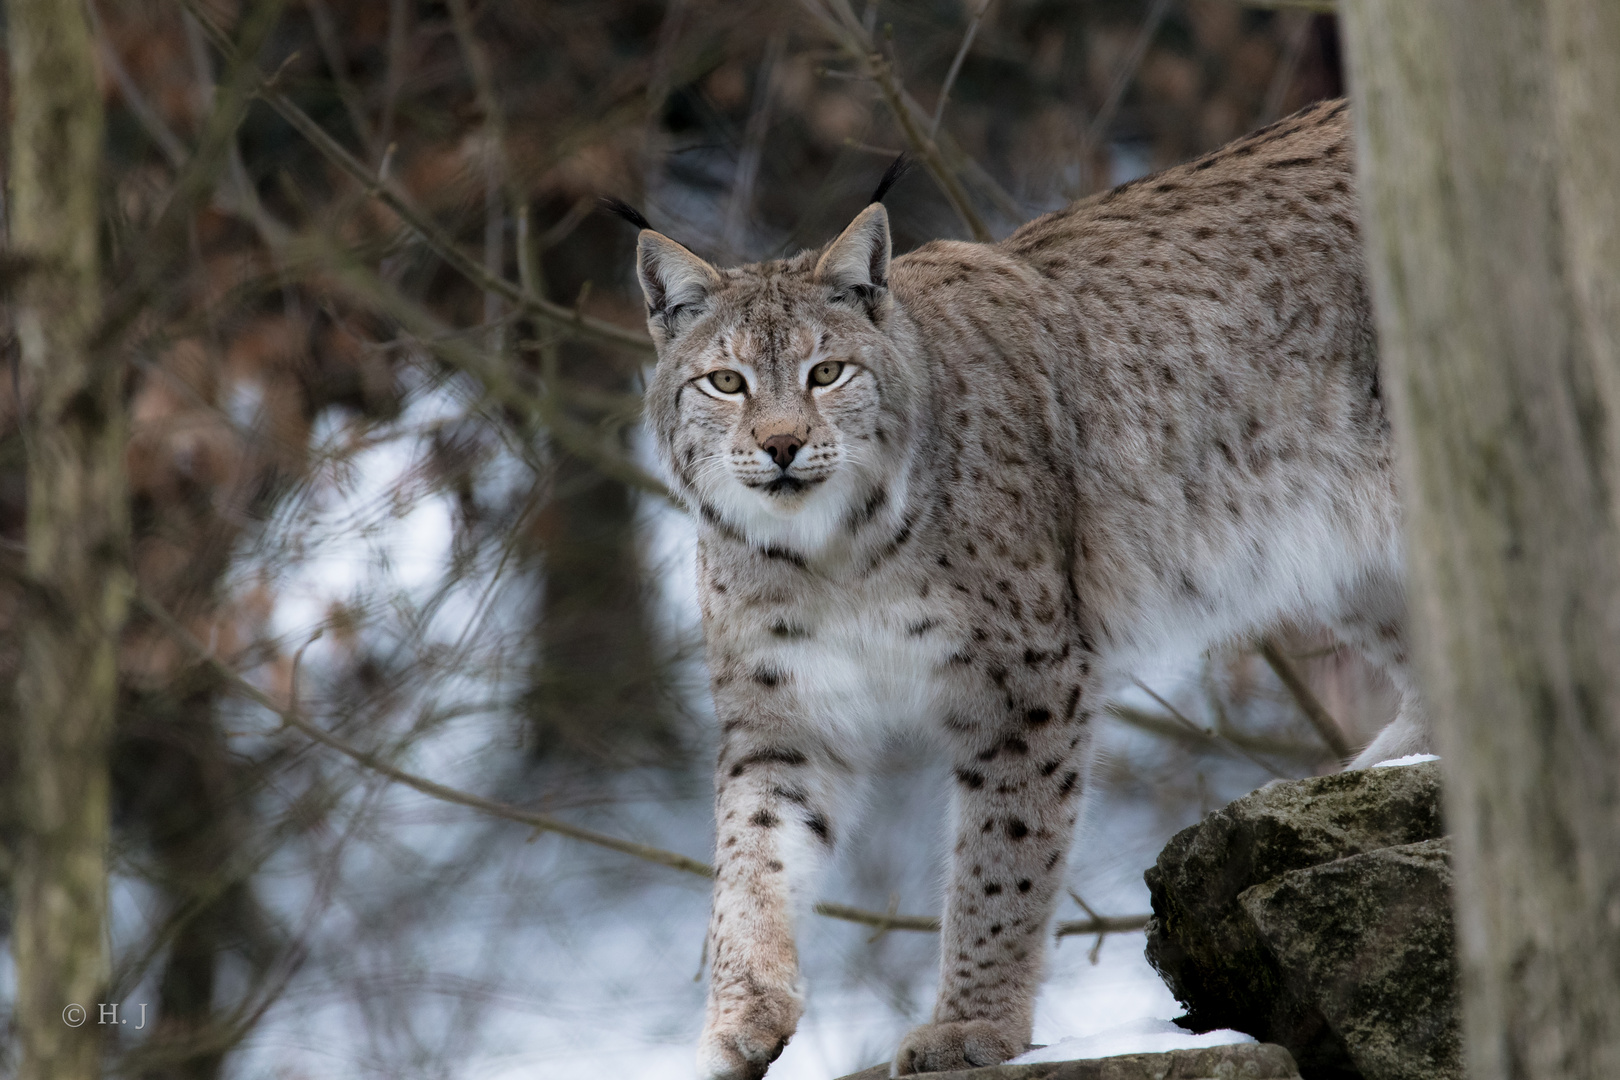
(1490, 152)
(597, 689)
(174, 775)
(77, 536)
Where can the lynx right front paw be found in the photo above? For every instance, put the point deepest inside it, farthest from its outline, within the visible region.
(744, 1035)
(957, 1044)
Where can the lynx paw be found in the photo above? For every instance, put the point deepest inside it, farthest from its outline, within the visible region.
(743, 1036)
(960, 1044)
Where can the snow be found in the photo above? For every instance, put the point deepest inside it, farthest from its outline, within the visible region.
(1149, 1035)
(1409, 759)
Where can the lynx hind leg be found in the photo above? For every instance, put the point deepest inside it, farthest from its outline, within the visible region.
(1373, 621)
(1017, 796)
(779, 797)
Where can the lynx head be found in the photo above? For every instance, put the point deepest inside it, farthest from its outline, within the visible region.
(787, 392)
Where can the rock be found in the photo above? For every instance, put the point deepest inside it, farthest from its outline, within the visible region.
(1315, 914)
(1240, 1061)
(1368, 940)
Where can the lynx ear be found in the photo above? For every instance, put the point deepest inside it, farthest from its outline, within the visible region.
(675, 282)
(858, 261)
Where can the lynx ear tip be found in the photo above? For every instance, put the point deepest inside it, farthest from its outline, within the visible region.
(624, 210)
(897, 168)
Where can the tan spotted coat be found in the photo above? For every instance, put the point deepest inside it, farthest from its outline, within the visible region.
(964, 492)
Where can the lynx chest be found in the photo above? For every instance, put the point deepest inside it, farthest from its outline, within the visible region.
(860, 659)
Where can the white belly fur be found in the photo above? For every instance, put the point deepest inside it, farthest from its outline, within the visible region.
(862, 676)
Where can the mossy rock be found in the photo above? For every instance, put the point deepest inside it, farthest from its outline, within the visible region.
(1316, 914)
(1240, 1061)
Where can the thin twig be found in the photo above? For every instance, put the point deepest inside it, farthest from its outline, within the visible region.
(394, 79)
(1096, 948)
(1320, 718)
(882, 73)
(956, 67)
(364, 286)
(1123, 78)
(740, 204)
(290, 716)
(331, 44)
(195, 182)
(852, 36)
(1166, 727)
(1101, 924)
(147, 116)
(1190, 726)
(442, 244)
(888, 913)
(497, 171)
(1321, 7)
(1295, 39)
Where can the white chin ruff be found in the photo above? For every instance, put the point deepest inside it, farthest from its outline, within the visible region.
(805, 527)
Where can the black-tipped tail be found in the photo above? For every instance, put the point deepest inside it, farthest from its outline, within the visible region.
(625, 210)
(897, 168)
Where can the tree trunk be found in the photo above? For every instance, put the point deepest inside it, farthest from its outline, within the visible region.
(77, 537)
(1489, 147)
(598, 690)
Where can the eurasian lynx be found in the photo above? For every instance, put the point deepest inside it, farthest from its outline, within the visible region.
(967, 490)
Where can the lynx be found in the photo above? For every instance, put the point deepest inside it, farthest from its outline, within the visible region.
(967, 490)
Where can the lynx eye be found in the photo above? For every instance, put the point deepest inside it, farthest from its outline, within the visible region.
(727, 382)
(826, 373)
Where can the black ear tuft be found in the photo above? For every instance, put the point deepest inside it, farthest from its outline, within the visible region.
(624, 210)
(897, 168)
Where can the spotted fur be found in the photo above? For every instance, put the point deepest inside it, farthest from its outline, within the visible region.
(1151, 420)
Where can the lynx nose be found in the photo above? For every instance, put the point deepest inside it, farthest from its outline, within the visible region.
(781, 448)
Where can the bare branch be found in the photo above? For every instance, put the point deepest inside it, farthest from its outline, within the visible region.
(1123, 78)
(332, 52)
(1296, 37)
(394, 79)
(197, 180)
(290, 716)
(364, 286)
(1320, 718)
(847, 30)
(497, 172)
(563, 318)
(1214, 737)
(1166, 727)
(148, 117)
(956, 67)
(1321, 7)
(1101, 924)
(741, 201)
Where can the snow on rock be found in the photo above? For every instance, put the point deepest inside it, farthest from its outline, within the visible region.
(1409, 759)
(1145, 1036)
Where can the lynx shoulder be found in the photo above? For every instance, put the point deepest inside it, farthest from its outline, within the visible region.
(966, 490)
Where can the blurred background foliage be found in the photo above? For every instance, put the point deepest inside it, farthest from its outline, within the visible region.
(386, 467)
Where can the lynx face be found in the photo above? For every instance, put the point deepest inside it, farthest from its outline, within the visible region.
(783, 401)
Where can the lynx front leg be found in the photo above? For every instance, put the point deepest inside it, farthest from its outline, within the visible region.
(1016, 802)
(775, 797)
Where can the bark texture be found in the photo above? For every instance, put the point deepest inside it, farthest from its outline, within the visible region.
(1488, 145)
(77, 539)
